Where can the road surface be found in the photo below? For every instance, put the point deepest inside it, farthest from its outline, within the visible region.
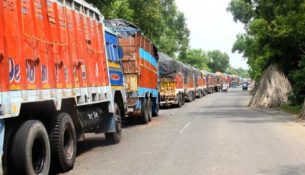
(215, 135)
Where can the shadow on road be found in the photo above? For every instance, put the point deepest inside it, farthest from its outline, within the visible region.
(241, 115)
(91, 143)
(286, 170)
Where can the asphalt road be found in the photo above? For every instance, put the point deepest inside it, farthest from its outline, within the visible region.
(217, 134)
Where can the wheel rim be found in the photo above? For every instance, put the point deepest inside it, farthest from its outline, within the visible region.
(68, 143)
(38, 154)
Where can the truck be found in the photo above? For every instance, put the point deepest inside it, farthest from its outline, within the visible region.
(211, 82)
(200, 83)
(140, 69)
(219, 78)
(171, 81)
(189, 84)
(54, 84)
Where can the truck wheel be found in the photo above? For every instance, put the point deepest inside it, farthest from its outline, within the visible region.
(115, 137)
(156, 113)
(193, 96)
(190, 97)
(31, 153)
(179, 105)
(149, 109)
(144, 111)
(63, 142)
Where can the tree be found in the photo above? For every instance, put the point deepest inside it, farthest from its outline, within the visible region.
(218, 61)
(159, 20)
(197, 58)
(240, 72)
(275, 34)
(112, 9)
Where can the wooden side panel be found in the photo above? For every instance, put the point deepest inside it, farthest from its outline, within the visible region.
(179, 81)
(3, 61)
(11, 33)
(130, 63)
(148, 71)
(63, 62)
(102, 61)
(54, 41)
(71, 33)
(200, 81)
(80, 69)
(41, 46)
(45, 45)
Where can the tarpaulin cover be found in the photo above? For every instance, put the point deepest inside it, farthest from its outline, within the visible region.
(197, 75)
(169, 66)
(122, 27)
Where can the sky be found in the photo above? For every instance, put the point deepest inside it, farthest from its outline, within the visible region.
(212, 27)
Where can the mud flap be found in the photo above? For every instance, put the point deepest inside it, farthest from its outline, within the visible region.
(108, 124)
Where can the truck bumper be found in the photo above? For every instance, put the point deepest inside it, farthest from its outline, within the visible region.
(167, 103)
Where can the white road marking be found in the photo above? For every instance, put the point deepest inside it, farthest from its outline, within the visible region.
(184, 128)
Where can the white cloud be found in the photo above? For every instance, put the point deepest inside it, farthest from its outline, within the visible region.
(212, 27)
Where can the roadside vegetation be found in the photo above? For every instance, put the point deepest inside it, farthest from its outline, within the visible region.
(275, 35)
(293, 109)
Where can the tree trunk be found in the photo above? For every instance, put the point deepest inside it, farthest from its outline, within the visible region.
(272, 90)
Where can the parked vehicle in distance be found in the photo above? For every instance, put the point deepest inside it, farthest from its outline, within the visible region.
(245, 86)
(211, 82)
(171, 81)
(189, 83)
(234, 84)
(225, 87)
(200, 83)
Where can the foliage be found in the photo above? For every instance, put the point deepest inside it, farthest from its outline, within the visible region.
(240, 72)
(114, 8)
(159, 20)
(218, 61)
(275, 34)
(197, 58)
(293, 109)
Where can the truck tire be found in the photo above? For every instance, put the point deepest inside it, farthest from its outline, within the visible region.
(193, 96)
(190, 97)
(180, 103)
(149, 109)
(156, 113)
(115, 137)
(31, 153)
(63, 142)
(144, 111)
(183, 99)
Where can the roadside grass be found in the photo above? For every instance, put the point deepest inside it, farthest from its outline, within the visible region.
(293, 109)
